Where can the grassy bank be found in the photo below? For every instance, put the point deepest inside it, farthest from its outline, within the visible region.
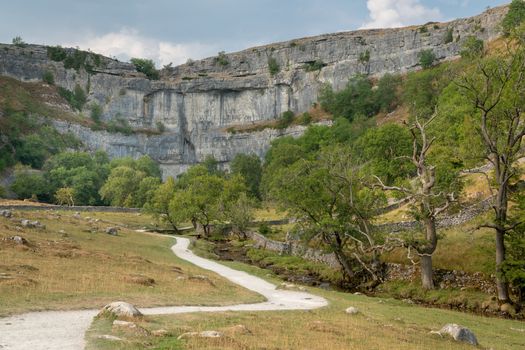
(74, 264)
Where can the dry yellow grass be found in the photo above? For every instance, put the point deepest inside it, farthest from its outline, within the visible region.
(381, 324)
(80, 269)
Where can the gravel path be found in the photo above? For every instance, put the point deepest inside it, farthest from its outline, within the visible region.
(64, 330)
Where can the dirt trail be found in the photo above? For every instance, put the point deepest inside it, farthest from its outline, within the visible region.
(64, 330)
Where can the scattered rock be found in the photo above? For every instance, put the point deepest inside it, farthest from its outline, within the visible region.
(76, 215)
(325, 286)
(6, 213)
(201, 278)
(109, 337)
(352, 310)
(140, 279)
(129, 327)
(204, 334)
(459, 333)
(112, 231)
(290, 286)
(31, 224)
(120, 309)
(239, 329)
(160, 333)
(17, 239)
(508, 309)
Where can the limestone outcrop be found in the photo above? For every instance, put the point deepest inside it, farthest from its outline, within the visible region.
(197, 102)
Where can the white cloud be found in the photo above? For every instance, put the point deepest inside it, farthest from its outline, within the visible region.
(399, 13)
(128, 43)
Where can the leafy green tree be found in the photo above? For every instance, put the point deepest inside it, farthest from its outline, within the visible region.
(494, 87)
(147, 67)
(422, 89)
(146, 190)
(383, 149)
(427, 58)
(472, 48)
(159, 204)
(121, 186)
(250, 168)
(514, 17)
(18, 41)
(65, 196)
(387, 92)
(240, 214)
(29, 183)
(357, 98)
(212, 165)
(334, 210)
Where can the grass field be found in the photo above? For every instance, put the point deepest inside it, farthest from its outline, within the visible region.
(73, 264)
(381, 324)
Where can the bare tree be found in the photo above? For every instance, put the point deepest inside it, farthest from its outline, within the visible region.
(496, 89)
(426, 203)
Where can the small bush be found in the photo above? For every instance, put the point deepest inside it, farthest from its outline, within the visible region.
(56, 53)
(427, 58)
(285, 120)
(147, 67)
(273, 66)
(449, 36)
(314, 66)
(423, 29)
(221, 59)
(119, 125)
(364, 57)
(472, 47)
(96, 112)
(306, 118)
(48, 78)
(264, 229)
(160, 126)
(17, 41)
(76, 99)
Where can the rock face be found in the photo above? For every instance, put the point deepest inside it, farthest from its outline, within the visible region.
(459, 333)
(197, 102)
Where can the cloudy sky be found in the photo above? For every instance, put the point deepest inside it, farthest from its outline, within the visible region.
(175, 30)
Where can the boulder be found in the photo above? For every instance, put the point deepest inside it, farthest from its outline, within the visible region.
(508, 309)
(459, 333)
(6, 213)
(160, 333)
(239, 329)
(76, 215)
(204, 334)
(120, 309)
(32, 224)
(112, 231)
(129, 327)
(352, 310)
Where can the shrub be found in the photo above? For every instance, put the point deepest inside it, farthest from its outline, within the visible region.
(2, 192)
(449, 36)
(273, 66)
(77, 60)
(29, 184)
(56, 53)
(285, 120)
(364, 57)
(306, 118)
(96, 112)
(264, 229)
(119, 125)
(423, 29)
(48, 78)
(76, 99)
(514, 17)
(472, 47)
(17, 41)
(427, 58)
(160, 126)
(386, 93)
(221, 59)
(314, 66)
(147, 67)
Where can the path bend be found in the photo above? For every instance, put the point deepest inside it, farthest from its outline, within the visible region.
(65, 330)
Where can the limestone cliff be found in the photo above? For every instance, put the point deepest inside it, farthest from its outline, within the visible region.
(199, 100)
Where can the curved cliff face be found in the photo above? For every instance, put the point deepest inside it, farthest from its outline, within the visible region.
(198, 101)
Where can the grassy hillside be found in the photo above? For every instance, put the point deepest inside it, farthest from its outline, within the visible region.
(74, 264)
(381, 324)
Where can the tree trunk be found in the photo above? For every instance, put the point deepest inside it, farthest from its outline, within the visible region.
(501, 283)
(343, 261)
(426, 272)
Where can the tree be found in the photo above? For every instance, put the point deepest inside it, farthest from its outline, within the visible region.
(334, 209)
(472, 48)
(250, 168)
(387, 92)
(147, 67)
(121, 186)
(427, 58)
(240, 214)
(29, 183)
(18, 41)
(159, 203)
(64, 196)
(426, 202)
(514, 17)
(495, 88)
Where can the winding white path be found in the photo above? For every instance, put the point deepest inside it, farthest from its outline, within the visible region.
(64, 330)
